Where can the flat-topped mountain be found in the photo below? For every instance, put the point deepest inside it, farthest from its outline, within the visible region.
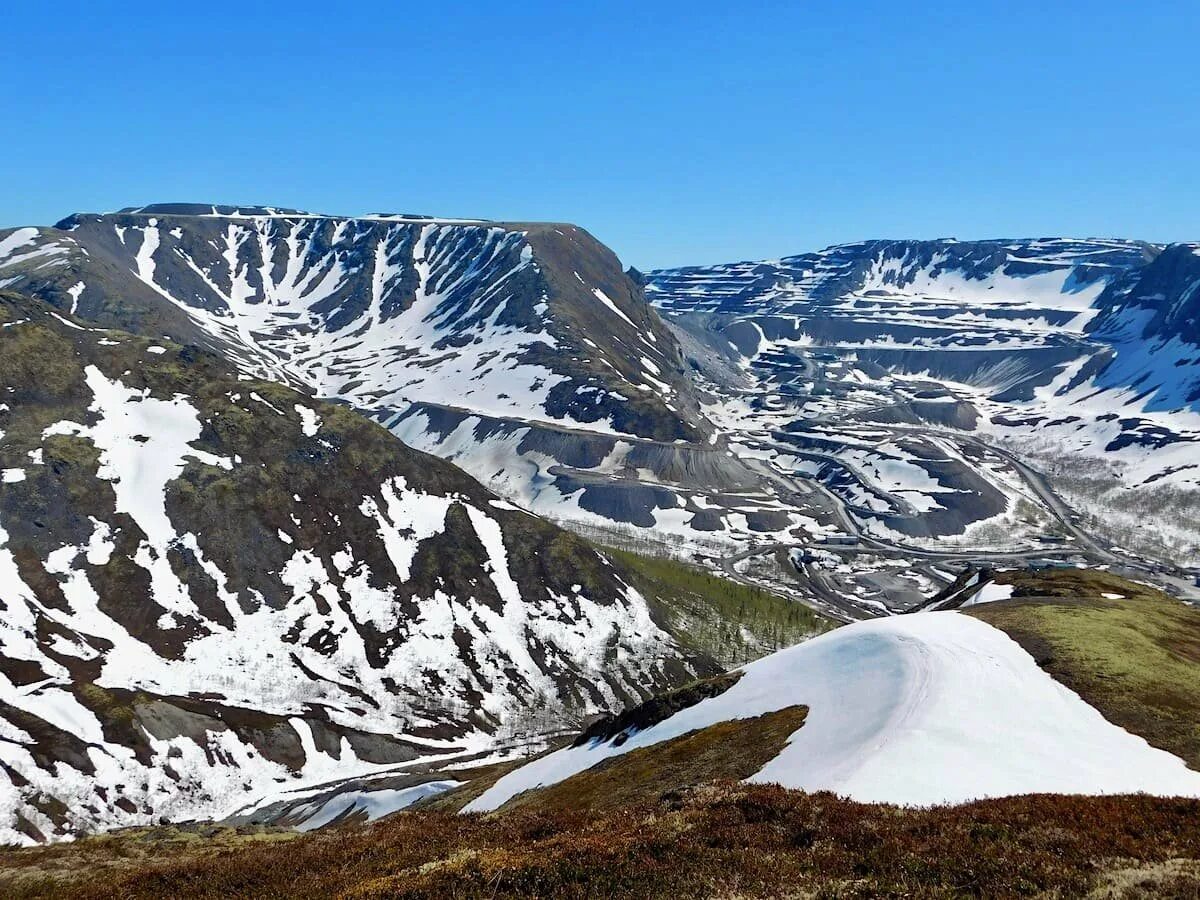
(527, 321)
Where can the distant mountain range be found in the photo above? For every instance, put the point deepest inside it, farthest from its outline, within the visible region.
(1081, 355)
(1130, 295)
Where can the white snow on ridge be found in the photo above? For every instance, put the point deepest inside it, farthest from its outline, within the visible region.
(990, 593)
(921, 709)
(375, 804)
(275, 317)
(608, 301)
(22, 246)
(16, 239)
(1049, 290)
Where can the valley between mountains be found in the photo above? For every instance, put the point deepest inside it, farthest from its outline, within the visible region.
(306, 520)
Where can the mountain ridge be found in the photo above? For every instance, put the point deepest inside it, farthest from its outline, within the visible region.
(524, 354)
(202, 273)
(214, 585)
(1082, 356)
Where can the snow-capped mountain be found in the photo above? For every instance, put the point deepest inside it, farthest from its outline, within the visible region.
(214, 585)
(870, 363)
(520, 351)
(885, 390)
(529, 321)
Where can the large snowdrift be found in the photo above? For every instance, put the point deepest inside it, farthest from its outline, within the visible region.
(928, 708)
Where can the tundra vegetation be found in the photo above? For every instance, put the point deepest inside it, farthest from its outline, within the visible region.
(719, 839)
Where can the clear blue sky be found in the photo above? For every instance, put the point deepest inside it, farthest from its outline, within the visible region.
(676, 132)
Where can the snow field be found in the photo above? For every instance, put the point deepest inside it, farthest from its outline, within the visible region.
(921, 709)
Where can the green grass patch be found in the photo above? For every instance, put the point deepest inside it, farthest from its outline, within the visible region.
(732, 622)
(1136, 659)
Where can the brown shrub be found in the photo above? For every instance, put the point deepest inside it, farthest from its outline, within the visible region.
(723, 839)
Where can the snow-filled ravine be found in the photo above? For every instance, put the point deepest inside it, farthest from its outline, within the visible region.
(921, 709)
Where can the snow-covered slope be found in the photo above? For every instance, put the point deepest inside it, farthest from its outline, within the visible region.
(1153, 325)
(521, 351)
(213, 586)
(1082, 355)
(532, 321)
(926, 708)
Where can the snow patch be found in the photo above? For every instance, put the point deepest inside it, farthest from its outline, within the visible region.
(917, 709)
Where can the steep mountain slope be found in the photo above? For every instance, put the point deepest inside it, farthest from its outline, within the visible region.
(520, 350)
(1153, 325)
(213, 585)
(529, 321)
(866, 365)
